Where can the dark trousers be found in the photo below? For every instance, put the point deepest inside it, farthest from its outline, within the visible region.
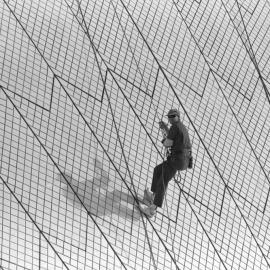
(163, 173)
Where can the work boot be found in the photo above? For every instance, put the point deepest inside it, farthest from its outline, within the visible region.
(149, 211)
(148, 197)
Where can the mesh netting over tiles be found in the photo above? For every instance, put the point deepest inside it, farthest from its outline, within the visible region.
(83, 85)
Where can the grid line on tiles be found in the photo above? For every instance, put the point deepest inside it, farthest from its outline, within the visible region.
(141, 59)
(12, 264)
(49, 155)
(21, 204)
(240, 211)
(236, 119)
(128, 44)
(27, 60)
(29, 216)
(183, 191)
(248, 46)
(127, 99)
(129, 188)
(247, 97)
(55, 76)
(88, 36)
(188, 117)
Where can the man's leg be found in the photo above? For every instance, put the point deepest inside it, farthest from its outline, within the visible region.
(157, 177)
(163, 173)
(150, 210)
(148, 197)
(167, 173)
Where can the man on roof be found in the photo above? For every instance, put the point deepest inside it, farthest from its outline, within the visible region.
(178, 145)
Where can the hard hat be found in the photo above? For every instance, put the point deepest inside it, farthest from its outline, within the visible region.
(173, 112)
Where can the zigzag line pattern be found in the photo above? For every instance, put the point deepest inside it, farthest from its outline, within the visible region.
(83, 85)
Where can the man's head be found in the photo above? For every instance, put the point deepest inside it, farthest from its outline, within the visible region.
(173, 115)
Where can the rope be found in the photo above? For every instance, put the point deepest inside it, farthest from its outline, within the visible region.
(166, 205)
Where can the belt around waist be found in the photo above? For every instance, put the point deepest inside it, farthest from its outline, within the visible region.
(181, 152)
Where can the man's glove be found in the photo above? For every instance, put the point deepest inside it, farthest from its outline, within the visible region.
(162, 125)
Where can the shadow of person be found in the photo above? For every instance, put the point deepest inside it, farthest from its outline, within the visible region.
(95, 195)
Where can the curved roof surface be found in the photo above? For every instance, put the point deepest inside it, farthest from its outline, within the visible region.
(83, 85)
